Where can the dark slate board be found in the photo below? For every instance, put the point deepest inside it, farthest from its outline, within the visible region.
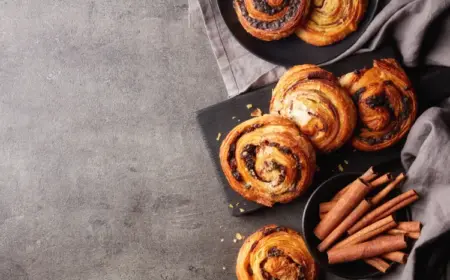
(218, 118)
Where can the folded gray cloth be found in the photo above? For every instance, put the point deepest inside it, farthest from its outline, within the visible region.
(407, 20)
(426, 157)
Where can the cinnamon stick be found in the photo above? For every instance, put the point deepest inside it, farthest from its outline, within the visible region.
(396, 231)
(402, 204)
(356, 193)
(378, 263)
(368, 232)
(382, 180)
(366, 177)
(350, 220)
(385, 209)
(384, 192)
(413, 235)
(369, 175)
(410, 234)
(325, 207)
(368, 249)
(397, 256)
(410, 226)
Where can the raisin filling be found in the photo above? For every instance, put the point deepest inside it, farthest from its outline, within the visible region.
(262, 6)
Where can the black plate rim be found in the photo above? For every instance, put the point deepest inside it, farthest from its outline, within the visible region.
(313, 250)
(372, 14)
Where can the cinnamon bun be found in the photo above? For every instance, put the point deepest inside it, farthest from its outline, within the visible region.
(386, 103)
(275, 252)
(322, 109)
(267, 160)
(331, 21)
(270, 20)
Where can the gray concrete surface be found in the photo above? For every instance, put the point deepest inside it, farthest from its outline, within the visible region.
(104, 174)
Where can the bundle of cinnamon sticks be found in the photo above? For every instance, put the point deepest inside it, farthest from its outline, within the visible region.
(368, 225)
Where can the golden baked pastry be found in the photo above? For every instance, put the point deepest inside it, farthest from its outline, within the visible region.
(270, 20)
(331, 21)
(267, 160)
(386, 103)
(322, 109)
(275, 252)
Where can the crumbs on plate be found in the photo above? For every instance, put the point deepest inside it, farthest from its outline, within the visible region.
(256, 113)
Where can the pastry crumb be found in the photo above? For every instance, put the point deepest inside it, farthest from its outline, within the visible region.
(340, 168)
(239, 236)
(224, 268)
(233, 117)
(234, 240)
(222, 240)
(237, 204)
(241, 210)
(345, 161)
(249, 106)
(256, 113)
(230, 205)
(218, 136)
(239, 120)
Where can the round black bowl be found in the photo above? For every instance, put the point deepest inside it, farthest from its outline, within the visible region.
(292, 50)
(325, 192)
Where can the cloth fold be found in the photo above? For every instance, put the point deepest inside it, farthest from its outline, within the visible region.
(425, 156)
(412, 24)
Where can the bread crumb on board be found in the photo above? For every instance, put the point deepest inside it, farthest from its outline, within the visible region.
(340, 167)
(249, 106)
(241, 210)
(218, 136)
(256, 113)
(239, 236)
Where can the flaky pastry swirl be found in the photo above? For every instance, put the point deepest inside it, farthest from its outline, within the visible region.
(270, 20)
(331, 21)
(275, 252)
(313, 98)
(386, 103)
(267, 160)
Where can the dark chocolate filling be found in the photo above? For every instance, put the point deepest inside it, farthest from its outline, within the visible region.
(376, 101)
(404, 114)
(232, 150)
(381, 101)
(275, 252)
(269, 231)
(357, 95)
(262, 6)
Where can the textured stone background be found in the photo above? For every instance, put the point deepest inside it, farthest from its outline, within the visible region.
(104, 172)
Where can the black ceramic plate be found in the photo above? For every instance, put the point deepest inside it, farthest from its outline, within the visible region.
(291, 50)
(352, 270)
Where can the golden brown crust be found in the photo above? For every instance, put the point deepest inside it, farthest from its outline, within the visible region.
(313, 98)
(270, 20)
(267, 160)
(275, 252)
(386, 103)
(331, 21)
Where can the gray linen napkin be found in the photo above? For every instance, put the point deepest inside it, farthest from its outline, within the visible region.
(426, 156)
(408, 21)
